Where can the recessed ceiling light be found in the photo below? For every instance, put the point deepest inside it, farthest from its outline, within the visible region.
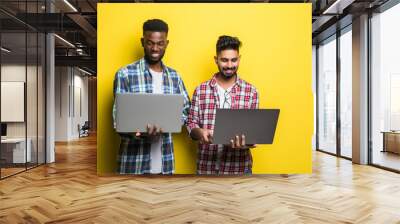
(5, 50)
(337, 7)
(70, 5)
(64, 40)
(84, 71)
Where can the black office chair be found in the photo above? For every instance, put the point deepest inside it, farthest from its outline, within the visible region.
(84, 130)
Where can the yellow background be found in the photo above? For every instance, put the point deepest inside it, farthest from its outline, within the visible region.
(276, 58)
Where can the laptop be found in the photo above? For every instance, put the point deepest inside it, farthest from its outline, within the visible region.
(258, 125)
(134, 111)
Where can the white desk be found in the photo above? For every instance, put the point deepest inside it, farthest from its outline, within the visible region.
(17, 146)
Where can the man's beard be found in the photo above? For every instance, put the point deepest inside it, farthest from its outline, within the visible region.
(150, 60)
(228, 76)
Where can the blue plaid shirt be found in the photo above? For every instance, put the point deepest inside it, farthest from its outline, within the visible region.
(134, 153)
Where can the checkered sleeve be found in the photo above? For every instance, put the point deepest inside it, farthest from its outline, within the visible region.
(254, 100)
(193, 119)
(121, 85)
(186, 102)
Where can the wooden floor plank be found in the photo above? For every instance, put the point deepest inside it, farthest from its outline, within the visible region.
(69, 191)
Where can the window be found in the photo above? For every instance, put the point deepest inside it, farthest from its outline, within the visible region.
(346, 93)
(327, 95)
(385, 88)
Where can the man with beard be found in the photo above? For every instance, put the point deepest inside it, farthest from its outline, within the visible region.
(151, 152)
(224, 90)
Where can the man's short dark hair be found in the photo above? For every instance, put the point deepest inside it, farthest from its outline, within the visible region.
(228, 43)
(155, 25)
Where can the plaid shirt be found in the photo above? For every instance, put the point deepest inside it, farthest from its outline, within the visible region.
(202, 115)
(134, 153)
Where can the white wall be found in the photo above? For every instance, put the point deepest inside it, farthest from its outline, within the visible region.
(79, 112)
(13, 73)
(71, 93)
(62, 80)
(12, 100)
(34, 125)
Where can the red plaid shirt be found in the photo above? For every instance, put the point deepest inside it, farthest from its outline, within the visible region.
(205, 100)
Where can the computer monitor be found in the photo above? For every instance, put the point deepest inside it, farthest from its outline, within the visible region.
(3, 129)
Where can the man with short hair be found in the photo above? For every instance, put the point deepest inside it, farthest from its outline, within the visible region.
(224, 90)
(151, 152)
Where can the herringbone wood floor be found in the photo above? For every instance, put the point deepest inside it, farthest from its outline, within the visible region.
(69, 191)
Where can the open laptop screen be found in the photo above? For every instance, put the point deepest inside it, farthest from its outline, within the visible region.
(258, 125)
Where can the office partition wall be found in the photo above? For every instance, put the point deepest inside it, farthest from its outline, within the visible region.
(14, 148)
(23, 87)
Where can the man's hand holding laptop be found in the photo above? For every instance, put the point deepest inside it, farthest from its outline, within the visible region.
(239, 142)
(153, 131)
(205, 136)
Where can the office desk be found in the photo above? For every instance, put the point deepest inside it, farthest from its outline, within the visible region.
(13, 150)
(391, 141)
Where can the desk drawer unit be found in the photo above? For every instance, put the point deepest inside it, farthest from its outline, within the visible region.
(391, 142)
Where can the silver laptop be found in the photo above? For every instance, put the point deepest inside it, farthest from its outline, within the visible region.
(258, 125)
(135, 110)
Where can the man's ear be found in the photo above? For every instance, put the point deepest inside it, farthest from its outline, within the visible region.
(216, 59)
(142, 41)
(167, 42)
